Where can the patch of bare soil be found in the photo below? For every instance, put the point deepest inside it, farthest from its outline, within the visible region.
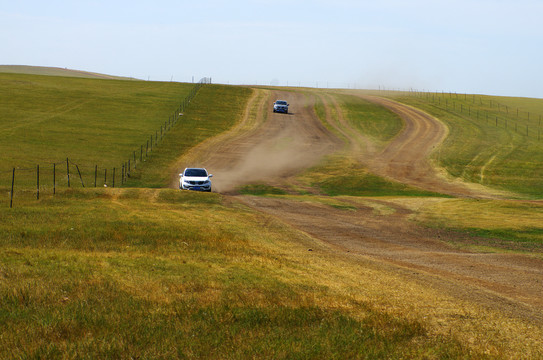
(511, 283)
(278, 146)
(407, 157)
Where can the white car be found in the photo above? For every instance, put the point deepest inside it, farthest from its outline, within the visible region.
(195, 179)
(280, 106)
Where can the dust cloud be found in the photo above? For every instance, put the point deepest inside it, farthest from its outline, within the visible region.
(269, 161)
(281, 146)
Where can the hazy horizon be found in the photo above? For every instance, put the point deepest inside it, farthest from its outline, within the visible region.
(481, 46)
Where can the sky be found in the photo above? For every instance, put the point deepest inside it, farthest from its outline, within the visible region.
(492, 47)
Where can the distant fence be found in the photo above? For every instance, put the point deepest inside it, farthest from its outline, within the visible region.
(67, 174)
(483, 108)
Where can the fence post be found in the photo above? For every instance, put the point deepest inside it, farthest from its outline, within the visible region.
(68, 171)
(38, 182)
(80, 177)
(11, 194)
(105, 177)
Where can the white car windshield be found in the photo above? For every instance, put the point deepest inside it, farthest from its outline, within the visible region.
(196, 172)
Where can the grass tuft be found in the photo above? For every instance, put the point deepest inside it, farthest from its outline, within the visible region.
(341, 175)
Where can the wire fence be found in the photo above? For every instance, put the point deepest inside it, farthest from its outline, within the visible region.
(47, 178)
(485, 109)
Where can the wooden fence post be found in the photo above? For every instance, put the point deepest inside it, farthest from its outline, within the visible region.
(80, 177)
(38, 182)
(68, 171)
(12, 185)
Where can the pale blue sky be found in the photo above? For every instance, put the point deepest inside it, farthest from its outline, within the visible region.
(478, 46)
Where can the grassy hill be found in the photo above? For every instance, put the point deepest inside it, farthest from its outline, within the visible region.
(146, 272)
(96, 123)
(494, 141)
(93, 121)
(56, 71)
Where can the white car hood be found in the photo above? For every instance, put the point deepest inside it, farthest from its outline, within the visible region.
(195, 178)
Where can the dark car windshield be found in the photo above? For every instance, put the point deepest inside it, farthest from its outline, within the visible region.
(196, 172)
(281, 102)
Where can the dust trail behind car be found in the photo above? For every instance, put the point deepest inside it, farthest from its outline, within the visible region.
(283, 146)
(278, 147)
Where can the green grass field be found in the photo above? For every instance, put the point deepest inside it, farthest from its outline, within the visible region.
(342, 173)
(46, 119)
(129, 273)
(148, 272)
(488, 142)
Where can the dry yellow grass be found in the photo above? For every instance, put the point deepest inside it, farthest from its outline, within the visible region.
(254, 253)
(351, 280)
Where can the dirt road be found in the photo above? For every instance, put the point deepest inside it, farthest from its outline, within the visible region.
(273, 147)
(270, 148)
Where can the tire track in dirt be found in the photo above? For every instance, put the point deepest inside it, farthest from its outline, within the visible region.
(510, 283)
(407, 157)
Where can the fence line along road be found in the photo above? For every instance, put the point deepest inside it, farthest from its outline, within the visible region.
(111, 176)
